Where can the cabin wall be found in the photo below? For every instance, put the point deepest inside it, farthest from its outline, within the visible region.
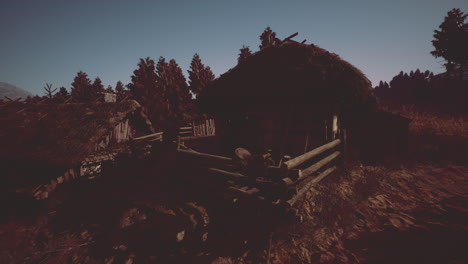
(284, 132)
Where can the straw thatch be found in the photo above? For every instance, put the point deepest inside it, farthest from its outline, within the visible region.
(290, 73)
(57, 136)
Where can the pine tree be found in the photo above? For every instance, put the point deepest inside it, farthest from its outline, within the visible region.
(62, 95)
(268, 39)
(97, 88)
(81, 90)
(199, 75)
(49, 91)
(120, 91)
(451, 41)
(245, 52)
(109, 89)
(145, 90)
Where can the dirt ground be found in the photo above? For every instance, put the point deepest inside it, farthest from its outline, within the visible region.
(415, 214)
(361, 214)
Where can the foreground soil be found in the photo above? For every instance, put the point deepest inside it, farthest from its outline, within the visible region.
(361, 214)
(413, 214)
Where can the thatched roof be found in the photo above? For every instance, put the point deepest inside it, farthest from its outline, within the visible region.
(291, 73)
(57, 135)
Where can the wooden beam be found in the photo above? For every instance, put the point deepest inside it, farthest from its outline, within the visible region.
(311, 154)
(307, 186)
(310, 170)
(227, 174)
(290, 37)
(207, 156)
(149, 136)
(314, 168)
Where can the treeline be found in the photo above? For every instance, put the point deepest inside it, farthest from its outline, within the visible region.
(443, 92)
(160, 87)
(425, 90)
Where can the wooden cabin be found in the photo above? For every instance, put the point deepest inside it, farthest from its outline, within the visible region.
(289, 99)
(44, 145)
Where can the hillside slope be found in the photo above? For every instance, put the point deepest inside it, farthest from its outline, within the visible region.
(13, 92)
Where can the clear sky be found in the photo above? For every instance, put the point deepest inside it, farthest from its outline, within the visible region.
(51, 40)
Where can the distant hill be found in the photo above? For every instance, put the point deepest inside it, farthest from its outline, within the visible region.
(12, 91)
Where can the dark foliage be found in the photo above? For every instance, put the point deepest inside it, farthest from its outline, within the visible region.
(109, 89)
(82, 89)
(268, 39)
(245, 52)
(120, 91)
(162, 90)
(145, 89)
(62, 95)
(451, 41)
(426, 90)
(199, 75)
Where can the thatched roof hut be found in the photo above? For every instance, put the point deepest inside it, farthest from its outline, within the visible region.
(289, 98)
(291, 73)
(40, 141)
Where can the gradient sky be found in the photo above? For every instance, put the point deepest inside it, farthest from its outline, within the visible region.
(49, 41)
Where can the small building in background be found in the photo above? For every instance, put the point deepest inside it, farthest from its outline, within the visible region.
(109, 97)
(44, 145)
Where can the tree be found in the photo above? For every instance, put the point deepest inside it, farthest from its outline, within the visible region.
(145, 90)
(245, 52)
(120, 91)
(49, 91)
(268, 39)
(199, 75)
(109, 89)
(97, 87)
(62, 95)
(176, 93)
(81, 90)
(451, 41)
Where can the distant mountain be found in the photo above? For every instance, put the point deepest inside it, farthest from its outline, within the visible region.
(12, 91)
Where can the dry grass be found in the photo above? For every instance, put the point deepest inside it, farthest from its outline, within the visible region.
(425, 123)
(366, 200)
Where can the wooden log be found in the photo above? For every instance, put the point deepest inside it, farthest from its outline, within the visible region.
(308, 185)
(309, 155)
(149, 136)
(314, 168)
(227, 174)
(207, 156)
(245, 192)
(310, 170)
(290, 37)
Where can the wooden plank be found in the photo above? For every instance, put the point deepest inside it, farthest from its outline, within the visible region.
(149, 136)
(312, 169)
(207, 156)
(311, 154)
(227, 174)
(308, 185)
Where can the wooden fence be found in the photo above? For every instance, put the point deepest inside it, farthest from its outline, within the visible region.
(200, 128)
(283, 184)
